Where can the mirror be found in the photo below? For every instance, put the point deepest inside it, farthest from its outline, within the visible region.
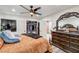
(72, 21)
(68, 21)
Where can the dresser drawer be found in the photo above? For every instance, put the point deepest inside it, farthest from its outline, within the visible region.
(75, 40)
(74, 50)
(74, 45)
(63, 36)
(64, 39)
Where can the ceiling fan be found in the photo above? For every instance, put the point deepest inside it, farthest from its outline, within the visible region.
(31, 11)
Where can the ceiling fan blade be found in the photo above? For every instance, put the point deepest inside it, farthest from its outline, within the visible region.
(24, 7)
(23, 12)
(37, 8)
(38, 13)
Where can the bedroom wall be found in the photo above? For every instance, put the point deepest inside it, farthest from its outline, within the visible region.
(44, 26)
(20, 22)
(52, 18)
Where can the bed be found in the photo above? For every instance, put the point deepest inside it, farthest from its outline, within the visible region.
(27, 45)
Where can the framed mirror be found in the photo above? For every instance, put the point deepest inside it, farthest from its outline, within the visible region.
(69, 21)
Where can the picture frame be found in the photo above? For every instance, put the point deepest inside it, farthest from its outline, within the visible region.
(8, 24)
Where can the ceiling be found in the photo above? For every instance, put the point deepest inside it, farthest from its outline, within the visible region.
(45, 10)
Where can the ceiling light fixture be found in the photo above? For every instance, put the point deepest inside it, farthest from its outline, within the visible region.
(31, 13)
(13, 10)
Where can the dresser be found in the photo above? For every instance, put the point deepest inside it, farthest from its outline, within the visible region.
(68, 42)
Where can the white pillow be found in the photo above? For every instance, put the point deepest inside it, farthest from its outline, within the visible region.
(10, 33)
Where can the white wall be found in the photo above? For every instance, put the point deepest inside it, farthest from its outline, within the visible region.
(20, 22)
(43, 28)
(54, 17)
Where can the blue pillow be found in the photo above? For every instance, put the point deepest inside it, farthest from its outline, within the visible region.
(8, 39)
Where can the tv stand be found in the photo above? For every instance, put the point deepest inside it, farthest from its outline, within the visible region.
(35, 36)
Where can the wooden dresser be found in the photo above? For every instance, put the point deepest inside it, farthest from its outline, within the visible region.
(68, 42)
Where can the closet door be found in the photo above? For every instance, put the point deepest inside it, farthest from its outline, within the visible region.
(33, 27)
